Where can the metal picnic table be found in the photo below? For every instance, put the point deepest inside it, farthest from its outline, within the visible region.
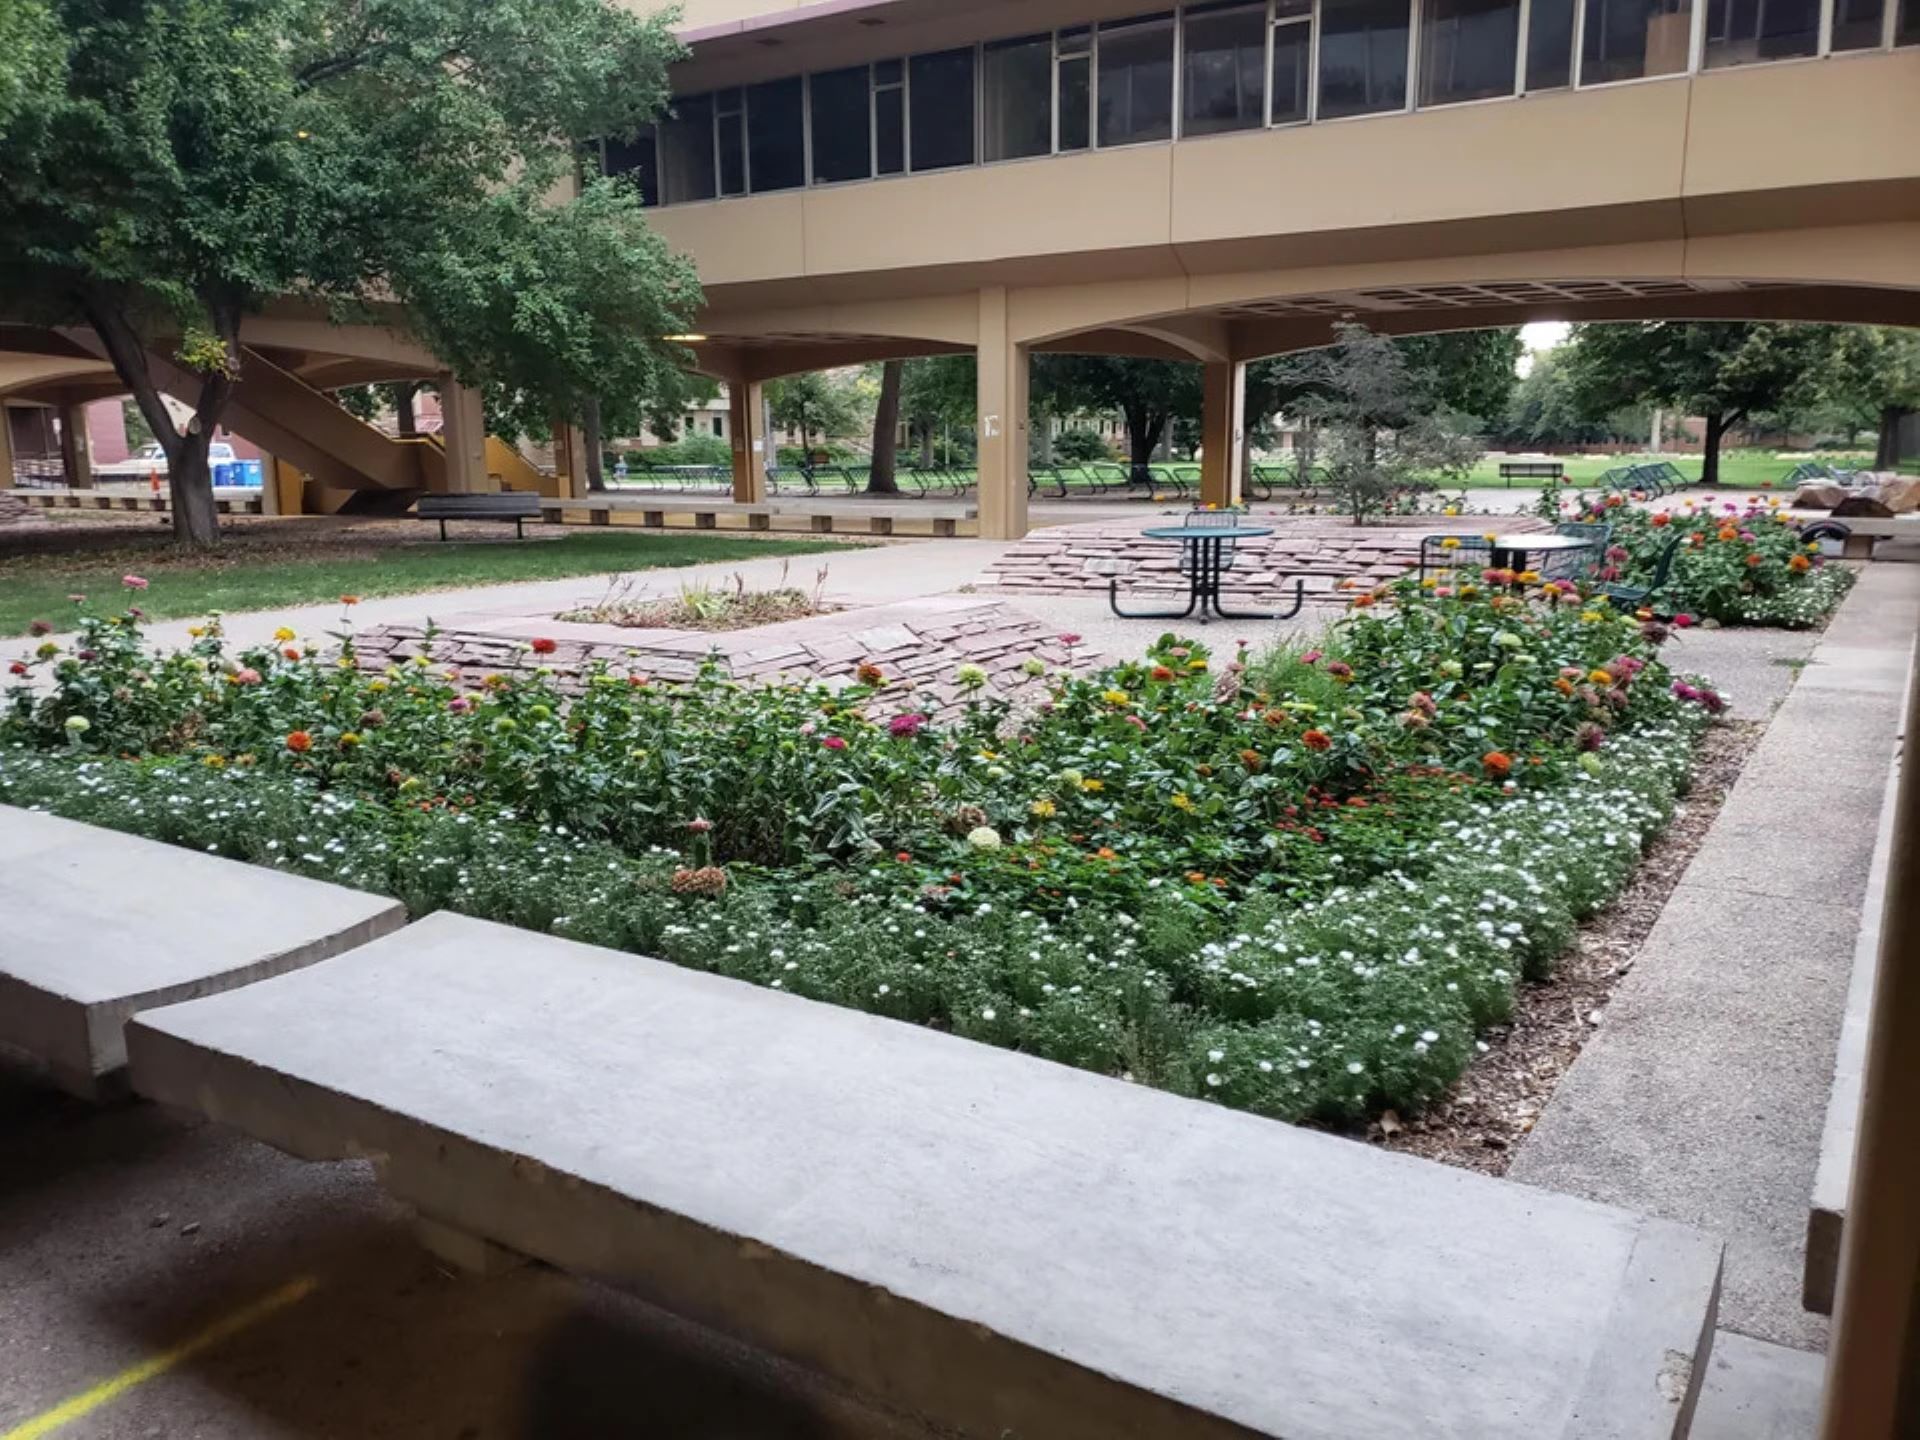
(1204, 559)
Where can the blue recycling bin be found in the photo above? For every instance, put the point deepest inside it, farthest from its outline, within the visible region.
(242, 473)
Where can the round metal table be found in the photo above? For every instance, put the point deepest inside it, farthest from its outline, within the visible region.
(1510, 552)
(1205, 553)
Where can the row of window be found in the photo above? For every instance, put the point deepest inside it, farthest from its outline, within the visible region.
(1204, 69)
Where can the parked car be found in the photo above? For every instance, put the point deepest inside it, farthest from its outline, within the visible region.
(150, 459)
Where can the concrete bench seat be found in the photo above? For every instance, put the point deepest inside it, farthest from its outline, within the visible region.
(988, 1242)
(99, 925)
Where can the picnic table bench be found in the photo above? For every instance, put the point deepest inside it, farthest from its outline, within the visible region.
(1511, 470)
(519, 506)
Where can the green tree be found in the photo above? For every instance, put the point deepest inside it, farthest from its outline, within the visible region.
(1385, 430)
(1149, 394)
(1471, 372)
(1721, 370)
(886, 430)
(938, 392)
(1875, 378)
(826, 403)
(1543, 409)
(171, 168)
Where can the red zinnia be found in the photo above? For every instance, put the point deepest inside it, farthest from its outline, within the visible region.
(1317, 740)
(544, 646)
(299, 742)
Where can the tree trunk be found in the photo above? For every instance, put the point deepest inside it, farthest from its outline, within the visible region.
(1710, 449)
(1886, 453)
(1144, 429)
(196, 519)
(886, 431)
(590, 439)
(926, 445)
(404, 420)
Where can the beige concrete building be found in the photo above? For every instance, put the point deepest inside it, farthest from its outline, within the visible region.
(860, 179)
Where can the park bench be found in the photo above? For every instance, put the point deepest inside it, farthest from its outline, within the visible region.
(519, 506)
(988, 1243)
(100, 925)
(1512, 470)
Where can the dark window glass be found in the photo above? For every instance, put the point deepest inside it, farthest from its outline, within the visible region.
(1292, 71)
(842, 140)
(889, 131)
(1224, 85)
(887, 72)
(1740, 32)
(1906, 29)
(1017, 86)
(637, 160)
(1076, 103)
(1549, 44)
(1136, 81)
(1628, 39)
(1363, 56)
(1857, 24)
(776, 152)
(733, 142)
(686, 151)
(940, 101)
(1467, 49)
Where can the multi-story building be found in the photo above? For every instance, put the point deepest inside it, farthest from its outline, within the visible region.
(860, 179)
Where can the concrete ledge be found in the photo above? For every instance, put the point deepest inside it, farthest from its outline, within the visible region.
(100, 925)
(1833, 1180)
(998, 1245)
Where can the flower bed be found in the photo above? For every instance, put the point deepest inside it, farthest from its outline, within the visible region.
(1738, 564)
(1298, 883)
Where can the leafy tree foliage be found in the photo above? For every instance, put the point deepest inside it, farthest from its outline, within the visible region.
(823, 403)
(938, 392)
(171, 168)
(1876, 379)
(1722, 370)
(1150, 395)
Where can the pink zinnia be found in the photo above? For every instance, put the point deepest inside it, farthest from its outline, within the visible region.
(1069, 639)
(1312, 657)
(834, 742)
(905, 727)
(133, 582)
(248, 676)
(460, 704)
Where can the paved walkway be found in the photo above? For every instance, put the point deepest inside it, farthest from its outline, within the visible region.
(1703, 1096)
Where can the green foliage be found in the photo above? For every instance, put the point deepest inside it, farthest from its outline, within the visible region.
(694, 449)
(1080, 445)
(1471, 372)
(172, 168)
(817, 405)
(1298, 884)
(1151, 395)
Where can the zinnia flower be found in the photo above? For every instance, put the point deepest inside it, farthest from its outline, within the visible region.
(299, 742)
(78, 724)
(868, 673)
(1069, 639)
(1042, 809)
(133, 582)
(1162, 673)
(18, 667)
(971, 676)
(984, 837)
(905, 727)
(1317, 740)
(1497, 763)
(40, 627)
(833, 742)
(283, 635)
(543, 646)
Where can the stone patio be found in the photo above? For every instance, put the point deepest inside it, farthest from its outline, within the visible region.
(918, 645)
(1329, 554)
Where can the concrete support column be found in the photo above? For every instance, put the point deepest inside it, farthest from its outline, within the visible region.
(6, 448)
(76, 451)
(747, 424)
(464, 434)
(1001, 426)
(569, 459)
(1223, 431)
(269, 488)
(1875, 1353)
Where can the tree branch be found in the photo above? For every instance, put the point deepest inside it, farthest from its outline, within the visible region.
(128, 354)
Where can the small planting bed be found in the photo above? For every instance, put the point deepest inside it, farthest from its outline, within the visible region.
(1301, 882)
(731, 606)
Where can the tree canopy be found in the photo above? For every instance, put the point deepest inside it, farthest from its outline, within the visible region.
(1150, 395)
(171, 169)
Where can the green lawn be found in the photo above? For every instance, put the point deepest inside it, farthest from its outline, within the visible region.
(1741, 469)
(251, 575)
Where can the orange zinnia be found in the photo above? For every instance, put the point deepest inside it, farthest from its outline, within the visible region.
(299, 742)
(1317, 740)
(1498, 764)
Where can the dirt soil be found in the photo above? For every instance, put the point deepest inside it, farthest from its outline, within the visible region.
(1483, 1118)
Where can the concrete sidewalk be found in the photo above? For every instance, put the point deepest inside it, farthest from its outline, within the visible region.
(1703, 1096)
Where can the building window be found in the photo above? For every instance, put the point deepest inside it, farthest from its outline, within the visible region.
(841, 113)
(1224, 68)
(729, 107)
(1363, 56)
(720, 426)
(1549, 44)
(889, 117)
(1740, 32)
(1292, 61)
(687, 153)
(1016, 78)
(1628, 39)
(1907, 32)
(1467, 49)
(776, 135)
(636, 160)
(1857, 24)
(1075, 83)
(940, 104)
(1136, 81)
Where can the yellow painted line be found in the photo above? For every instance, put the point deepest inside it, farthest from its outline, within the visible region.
(107, 1391)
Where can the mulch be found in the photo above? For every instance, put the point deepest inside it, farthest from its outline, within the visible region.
(1486, 1115)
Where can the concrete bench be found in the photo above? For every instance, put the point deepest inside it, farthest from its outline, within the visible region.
(1859, 534)
(824, 517)
(1833, 1178)
(990, 1242)
(515, 505)
(100, 925)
